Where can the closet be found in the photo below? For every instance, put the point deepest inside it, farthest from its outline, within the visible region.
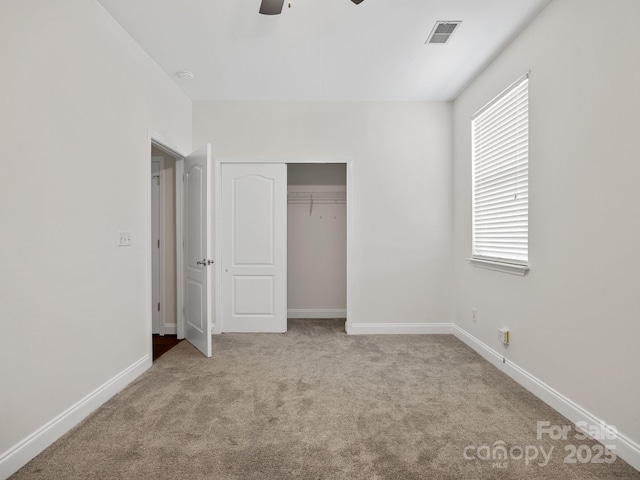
(316, 241)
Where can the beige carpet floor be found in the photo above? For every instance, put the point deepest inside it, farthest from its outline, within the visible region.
(316, 404)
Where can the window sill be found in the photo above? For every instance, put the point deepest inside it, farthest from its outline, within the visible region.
(512, 268)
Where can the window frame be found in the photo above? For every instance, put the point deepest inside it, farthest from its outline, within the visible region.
(511, 253)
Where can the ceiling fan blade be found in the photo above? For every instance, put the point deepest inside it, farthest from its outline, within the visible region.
(272, 7)
(357, 2)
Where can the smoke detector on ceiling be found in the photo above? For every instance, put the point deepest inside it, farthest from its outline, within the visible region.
(442, 31)
(185, 74)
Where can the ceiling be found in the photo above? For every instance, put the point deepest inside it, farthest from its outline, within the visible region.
(322, 50)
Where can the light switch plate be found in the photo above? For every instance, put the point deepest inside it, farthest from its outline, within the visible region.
(124, 239)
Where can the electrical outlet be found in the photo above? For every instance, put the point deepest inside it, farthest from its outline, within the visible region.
(503, 336)
(474, 315)
(124, 239)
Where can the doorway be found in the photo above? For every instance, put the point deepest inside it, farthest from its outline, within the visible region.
(164, 278)
(188, 240)
(317, 240)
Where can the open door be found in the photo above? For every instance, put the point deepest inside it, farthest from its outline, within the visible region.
(197, 249)
(254, 247)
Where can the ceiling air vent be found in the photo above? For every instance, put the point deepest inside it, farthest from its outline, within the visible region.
(441, 32)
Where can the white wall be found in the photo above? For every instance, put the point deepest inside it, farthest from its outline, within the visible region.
(401, 191)
(76, 99)
(575, 318)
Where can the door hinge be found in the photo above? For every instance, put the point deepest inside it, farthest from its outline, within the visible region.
(158, 243)
(158, 306)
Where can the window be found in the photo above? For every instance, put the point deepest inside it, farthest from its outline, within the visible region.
(500, 152)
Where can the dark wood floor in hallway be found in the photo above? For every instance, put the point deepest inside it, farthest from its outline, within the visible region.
(162, 344)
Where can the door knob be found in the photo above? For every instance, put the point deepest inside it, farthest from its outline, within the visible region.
(201, 262)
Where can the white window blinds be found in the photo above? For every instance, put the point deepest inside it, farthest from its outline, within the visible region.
(500, 143)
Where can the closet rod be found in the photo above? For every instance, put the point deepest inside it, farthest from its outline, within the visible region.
(309, 198)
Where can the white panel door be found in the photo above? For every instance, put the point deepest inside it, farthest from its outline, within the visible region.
(254, 247)
(197, 249)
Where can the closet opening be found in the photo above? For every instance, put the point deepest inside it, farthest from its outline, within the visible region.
(316, 241)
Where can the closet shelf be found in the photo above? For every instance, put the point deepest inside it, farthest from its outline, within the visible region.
(316, 197)
(311, 198)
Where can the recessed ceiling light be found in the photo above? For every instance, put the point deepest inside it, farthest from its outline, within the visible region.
(185, 74)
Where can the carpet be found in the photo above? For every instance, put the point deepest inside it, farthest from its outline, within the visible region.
(317, 404)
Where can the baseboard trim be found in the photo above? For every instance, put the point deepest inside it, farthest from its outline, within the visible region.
(625, 448)
(170, 329)
(21, 453)
(317, 313)
(398, 328)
